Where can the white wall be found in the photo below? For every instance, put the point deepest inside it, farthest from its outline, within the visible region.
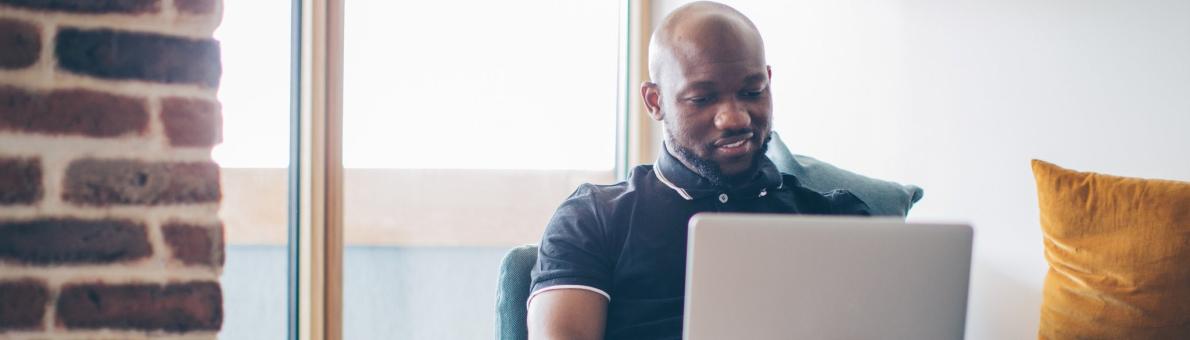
(958, 96)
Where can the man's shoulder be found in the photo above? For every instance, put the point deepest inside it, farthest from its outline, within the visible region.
(834, 202)
(598, 193)
(610, 193)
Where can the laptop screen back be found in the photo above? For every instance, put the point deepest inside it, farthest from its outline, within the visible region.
(799, 277)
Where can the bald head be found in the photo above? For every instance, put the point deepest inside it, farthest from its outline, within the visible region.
(710, 90)
(702, 32)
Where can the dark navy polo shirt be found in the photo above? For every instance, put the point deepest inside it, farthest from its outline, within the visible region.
(627, 241)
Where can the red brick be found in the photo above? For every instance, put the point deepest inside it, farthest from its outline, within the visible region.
(177, 307)
(22, 304)
(104, 182)
(88, 6)
(20, 181)
(195, 6)
(20, 44)
(138, 56)
(72, 241)
(195, 245)
(191, 122)
(72, 112)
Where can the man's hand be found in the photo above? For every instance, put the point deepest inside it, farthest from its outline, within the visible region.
(567, 314)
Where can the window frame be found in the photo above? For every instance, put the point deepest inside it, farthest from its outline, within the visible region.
(316, 191)
(640, 141)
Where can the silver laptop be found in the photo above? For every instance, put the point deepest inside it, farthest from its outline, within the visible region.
(800, 277)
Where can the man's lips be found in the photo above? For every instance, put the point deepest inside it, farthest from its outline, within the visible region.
(735, 145)
(733, 141)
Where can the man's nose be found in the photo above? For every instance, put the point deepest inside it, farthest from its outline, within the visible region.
(732, 116)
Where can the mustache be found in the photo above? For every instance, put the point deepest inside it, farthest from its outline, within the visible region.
(737, 132)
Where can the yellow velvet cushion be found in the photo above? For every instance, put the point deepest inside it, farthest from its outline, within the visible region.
(1119, 255)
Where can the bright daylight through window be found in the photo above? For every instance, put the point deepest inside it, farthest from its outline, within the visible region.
(255, 40)
(465, 125)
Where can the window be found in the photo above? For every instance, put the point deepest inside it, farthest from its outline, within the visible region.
(465, 124)
(254, 156)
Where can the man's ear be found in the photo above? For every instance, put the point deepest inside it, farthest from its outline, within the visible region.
(770, 69)
(650, 95)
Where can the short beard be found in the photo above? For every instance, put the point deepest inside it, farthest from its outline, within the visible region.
(711, 171)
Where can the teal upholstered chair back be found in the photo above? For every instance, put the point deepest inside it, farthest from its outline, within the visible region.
(883, 197)
(512, 291)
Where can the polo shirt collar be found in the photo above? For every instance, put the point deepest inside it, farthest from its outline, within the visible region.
(690, 185)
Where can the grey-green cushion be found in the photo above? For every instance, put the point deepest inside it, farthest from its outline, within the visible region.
(512, 291)
(885, 198)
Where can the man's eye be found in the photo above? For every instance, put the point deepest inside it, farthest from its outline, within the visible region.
(756, 93)
(699, 100)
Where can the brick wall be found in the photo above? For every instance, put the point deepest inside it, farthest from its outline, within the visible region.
(108, 196)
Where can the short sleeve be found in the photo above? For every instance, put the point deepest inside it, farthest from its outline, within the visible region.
(843, 202)
(573, 251)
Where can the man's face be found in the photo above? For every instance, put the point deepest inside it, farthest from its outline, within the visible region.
(717, 111)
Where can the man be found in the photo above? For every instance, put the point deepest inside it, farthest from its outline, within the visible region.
(612, 259)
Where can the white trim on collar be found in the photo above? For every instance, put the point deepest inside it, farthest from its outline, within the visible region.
(661, 176)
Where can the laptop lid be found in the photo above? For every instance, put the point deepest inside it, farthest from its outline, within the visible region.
(753, 276)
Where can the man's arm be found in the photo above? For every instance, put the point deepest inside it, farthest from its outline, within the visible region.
(567, 314)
